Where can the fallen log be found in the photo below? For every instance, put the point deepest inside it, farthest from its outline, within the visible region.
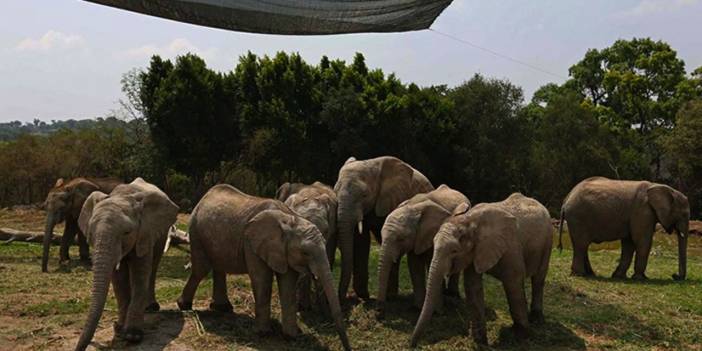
(8, 235)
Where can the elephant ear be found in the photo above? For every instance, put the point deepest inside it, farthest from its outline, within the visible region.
(266, 234)
(156, 215)
(395, 186)
(494, 233)
(432, 216)
(461, 209)
(331, 205)
(59, 182)
(283, 192)
(660, 197)
(87, 211)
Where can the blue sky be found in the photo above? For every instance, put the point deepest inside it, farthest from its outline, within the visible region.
(63, 59)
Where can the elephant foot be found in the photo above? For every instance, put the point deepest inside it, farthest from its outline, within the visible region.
(185, 306)
(581, 274)
(363, 295)
(639, 276)
(520, 332)
(619, 275)
(118, 329)
(263, 330)
(536, 317)
(133, 335)
(291, 333)
(64, 262)
(155, 307)
(86, 260)
(481, 339)
(678, 277)
(222, 307)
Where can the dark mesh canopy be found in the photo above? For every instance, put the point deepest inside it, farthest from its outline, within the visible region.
(294, 17)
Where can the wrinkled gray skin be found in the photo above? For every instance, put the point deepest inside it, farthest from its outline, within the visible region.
(369, 190)
(235, 233)
(410, 229)
(127, 231)
(316, 203)
(600, 209)
(510, 240)
(63, 203)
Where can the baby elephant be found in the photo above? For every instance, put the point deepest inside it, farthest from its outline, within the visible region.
(510, 240)
(410, 229)
(127, 231)
(316, 203)
(232, 232)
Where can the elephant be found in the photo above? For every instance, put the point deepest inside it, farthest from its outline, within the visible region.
(316, 203)
(511, 240)
(127, 230)
(600, 209)
(235, 233)
(63, 203)
(410, 229)
(368, 190)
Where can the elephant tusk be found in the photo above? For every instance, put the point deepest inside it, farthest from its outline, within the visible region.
(360, 227)
(117, 268)
(168, 239)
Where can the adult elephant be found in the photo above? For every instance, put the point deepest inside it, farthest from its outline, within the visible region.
(316, 203)
(235, 233)
(368, 190)
(510, 240)
(410, 229)
(64, 203)
(600, 209)
(128, 230)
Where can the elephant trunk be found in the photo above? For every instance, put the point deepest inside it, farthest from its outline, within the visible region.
(104, 262)
(435, 284)
(346, 232)
(682, 252)
(48, 235)
(325, 278)
(387, 258)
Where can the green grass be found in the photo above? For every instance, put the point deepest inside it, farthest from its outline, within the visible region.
(46, 311)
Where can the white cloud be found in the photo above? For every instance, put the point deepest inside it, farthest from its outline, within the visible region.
(646, 7)
(176, 47)
(52, 40)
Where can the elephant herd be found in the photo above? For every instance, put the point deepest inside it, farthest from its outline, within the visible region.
(293, 239)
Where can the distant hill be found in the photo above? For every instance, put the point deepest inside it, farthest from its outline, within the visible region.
(12, 130)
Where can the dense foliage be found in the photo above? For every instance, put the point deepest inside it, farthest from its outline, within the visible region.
(627, 112)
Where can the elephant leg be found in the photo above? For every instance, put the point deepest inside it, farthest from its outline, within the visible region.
(153, 305)
(199, 269)
(220, 299)
(120, 285)
(536, 315)
(261, 283)
(625, 258)
(83, 249)
(139, 276)
(418, 275)
(579, 259)
(331, 250)
(514, 290)
(452, 287)
(394, 281)
(304, 297)
(287, 288)
(361, 249)
(643, 249)
(66, 240)
(588, 266)
(475, 296)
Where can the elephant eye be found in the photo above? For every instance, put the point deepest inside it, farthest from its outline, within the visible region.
(126, 233)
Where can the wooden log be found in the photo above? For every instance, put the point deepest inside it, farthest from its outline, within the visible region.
(9, 235)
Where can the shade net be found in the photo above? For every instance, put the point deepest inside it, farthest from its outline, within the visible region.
(294, 17)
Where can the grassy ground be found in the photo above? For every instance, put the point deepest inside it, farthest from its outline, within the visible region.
(46, 311)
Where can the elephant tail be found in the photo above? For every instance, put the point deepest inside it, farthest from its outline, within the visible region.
(560, 230)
